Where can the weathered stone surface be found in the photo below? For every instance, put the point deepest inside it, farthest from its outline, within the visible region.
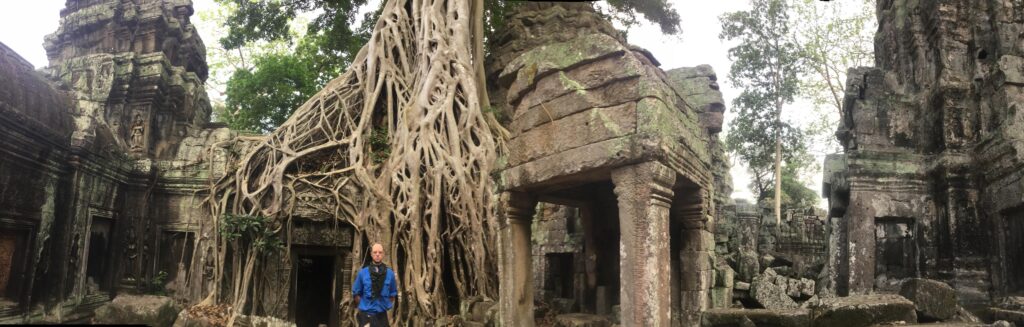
(260, 321)
(933, 299)
(863, 310)
(581, 320)
(139, 309)
(755, 317)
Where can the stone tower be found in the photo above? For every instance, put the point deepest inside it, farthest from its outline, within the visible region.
(137, 69)
(930, 184)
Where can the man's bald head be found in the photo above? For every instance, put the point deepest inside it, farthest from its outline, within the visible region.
(377, 252)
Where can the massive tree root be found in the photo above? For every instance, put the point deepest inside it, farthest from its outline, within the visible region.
(397, 147)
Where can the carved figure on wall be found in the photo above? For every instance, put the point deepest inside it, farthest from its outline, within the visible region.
(73, 256)
(138, 132)
(131, 252)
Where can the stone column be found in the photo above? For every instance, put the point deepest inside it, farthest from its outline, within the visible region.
(515, 255)
(644, 193)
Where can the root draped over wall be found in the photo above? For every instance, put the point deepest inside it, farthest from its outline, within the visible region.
(399, 148)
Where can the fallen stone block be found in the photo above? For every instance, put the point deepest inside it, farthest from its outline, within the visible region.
(807, 287)
(770, 296)
(581, 320)
(863, 310)
(962, 315)
(203, 316)
(152, 310)
(742, 286)
(934, 300)
(794, 287)
(1011, 303)
(1014, 316)
(755, 317)
(260, 321)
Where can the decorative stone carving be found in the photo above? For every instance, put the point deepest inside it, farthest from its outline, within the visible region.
(138, 132)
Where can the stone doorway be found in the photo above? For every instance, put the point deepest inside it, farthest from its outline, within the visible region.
(559, 277)
(576, 244)
(98, 257)
(895, 252)
(314, 291)
(176, 248)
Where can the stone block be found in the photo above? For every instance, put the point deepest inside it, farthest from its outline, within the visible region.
(933, 299)
(1014, 316)
(742, 286)
(1012, 68)
(807, 287)
(725, 276)
(581, 320)
(770, 296)
(152, 310)
(573, 131)
(755, 317)
(863, 311)
(695, 300)
(260, 321)
(721, 297)
(794, 289)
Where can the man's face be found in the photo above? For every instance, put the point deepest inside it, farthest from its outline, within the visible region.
(377, 253)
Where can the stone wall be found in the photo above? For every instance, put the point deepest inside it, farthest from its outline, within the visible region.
(107, 156)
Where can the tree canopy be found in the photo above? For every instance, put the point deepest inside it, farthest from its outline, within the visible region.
(332, 34)
(766, 64)
(793, 53)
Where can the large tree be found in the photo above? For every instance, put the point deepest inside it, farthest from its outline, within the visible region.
(766, 64)
(832, 37)
(397, 146)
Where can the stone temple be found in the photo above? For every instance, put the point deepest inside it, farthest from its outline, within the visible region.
(615, 193)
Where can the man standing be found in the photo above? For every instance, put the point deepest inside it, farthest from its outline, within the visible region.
(374, 290)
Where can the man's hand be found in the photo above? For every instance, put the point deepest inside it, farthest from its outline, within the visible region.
(357, 300)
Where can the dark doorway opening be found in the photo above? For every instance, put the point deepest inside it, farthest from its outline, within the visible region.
(1015, 252)
(314, 291)
(559, 279)
(12, 266)
(98, 255)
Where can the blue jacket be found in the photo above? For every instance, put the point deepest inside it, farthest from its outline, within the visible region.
(363, 288)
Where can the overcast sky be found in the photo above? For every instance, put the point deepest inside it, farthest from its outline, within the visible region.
(24, 23)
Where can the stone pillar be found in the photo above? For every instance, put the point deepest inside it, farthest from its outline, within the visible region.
(696, 253)
(644, 193)
(515, 255)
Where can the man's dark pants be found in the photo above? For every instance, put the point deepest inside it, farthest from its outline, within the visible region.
(372, 319)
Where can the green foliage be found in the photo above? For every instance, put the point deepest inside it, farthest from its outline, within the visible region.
(656, 11)
(251, 232)
(833, 37)
(263, 98)
(766, 65)
(795, 195)
(156, 284)
(379, 143)
(264, 94)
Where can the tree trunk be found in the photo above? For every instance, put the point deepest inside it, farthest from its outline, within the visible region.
(778, 162)
(398, 148)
